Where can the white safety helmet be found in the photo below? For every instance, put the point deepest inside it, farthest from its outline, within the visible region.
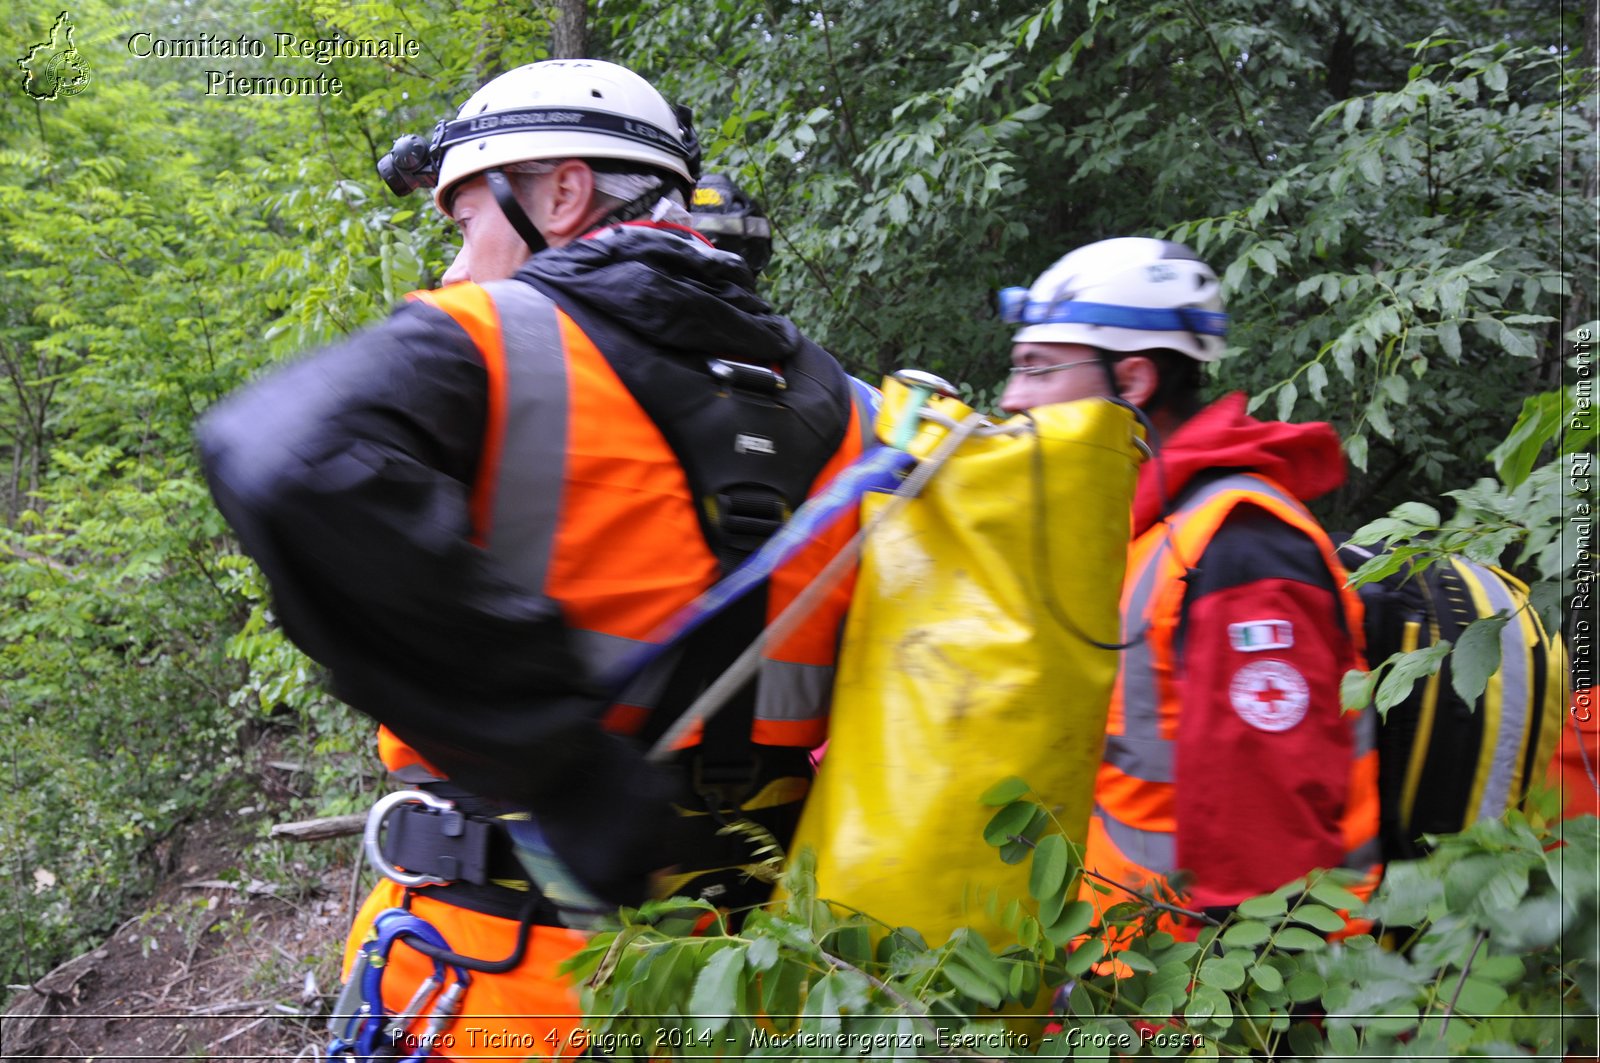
(1127, 294)
(564, 109)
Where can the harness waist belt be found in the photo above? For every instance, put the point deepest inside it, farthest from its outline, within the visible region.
(453, 845)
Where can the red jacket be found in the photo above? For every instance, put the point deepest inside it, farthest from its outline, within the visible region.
(1228, 755)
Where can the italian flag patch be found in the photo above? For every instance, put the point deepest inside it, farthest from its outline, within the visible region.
(1253, 636)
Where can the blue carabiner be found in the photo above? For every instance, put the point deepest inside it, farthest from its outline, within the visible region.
(390, 926)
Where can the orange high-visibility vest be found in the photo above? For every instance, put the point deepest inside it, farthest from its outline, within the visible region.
(1132, 831)
(579, 495)
(580, 490)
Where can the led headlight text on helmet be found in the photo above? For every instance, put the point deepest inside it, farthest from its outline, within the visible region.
(525, 118)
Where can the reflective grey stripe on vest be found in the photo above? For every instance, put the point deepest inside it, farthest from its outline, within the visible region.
(414, 775)
(528, 480)
(1515, 690)
(1365, 724)
(1140, 751)
(1363, 856)
(789, 691)
(604, 653)
(1151, 850)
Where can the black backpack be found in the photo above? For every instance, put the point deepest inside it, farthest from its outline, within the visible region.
(1444, 763)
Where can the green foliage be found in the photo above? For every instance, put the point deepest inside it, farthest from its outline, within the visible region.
(1490, 951)
(161, 246)
(1383, 187)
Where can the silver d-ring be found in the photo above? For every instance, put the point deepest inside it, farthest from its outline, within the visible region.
(380, 812)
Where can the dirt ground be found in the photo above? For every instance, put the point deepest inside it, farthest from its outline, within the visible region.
(216, 966)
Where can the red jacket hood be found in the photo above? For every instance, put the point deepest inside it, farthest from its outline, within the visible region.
(1303, 458)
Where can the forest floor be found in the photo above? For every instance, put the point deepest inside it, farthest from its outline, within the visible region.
(217, 965)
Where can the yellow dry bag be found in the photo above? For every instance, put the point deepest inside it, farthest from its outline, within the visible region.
(969, 656)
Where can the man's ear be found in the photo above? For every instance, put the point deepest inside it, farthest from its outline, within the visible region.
(570, 192)
(1138, 379)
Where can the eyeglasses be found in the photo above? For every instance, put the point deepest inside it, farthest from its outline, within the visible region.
(1041, 370)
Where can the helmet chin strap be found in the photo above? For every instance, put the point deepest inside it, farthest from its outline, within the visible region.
(500, 186)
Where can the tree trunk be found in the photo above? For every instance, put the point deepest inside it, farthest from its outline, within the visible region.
(569, 32)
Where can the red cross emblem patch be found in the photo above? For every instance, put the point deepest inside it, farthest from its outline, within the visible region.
(1269, 695)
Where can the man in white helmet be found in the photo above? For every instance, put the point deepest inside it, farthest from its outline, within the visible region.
(1227, 754)
(476, 511)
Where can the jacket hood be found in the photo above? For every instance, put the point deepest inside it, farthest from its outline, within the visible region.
(669, 286)
(1304, 458)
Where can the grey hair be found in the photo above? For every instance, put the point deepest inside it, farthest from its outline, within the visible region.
(619, 187)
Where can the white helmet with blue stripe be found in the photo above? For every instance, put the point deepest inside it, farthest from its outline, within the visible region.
(1128, 294)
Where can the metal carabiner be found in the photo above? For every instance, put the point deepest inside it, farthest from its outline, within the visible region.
(374, 851)
(376, 1025)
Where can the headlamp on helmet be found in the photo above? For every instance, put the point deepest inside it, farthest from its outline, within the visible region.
(409, 165)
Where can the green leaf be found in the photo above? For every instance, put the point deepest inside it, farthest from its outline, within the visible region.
(1406, 669)
(1479, 996)
(1450, 339)
(1076, 918)
(1004, 792)
(781, 988)
(972, 984)
(1352, 114)
(1356, 448)
(1355, 689)
(1505, 970)
(1207, 1004)
(899, 209)
(1298, 939)
(1316, 380)
(1246, 935)
(1265, 906)
(1476, 657)
(1335, 896)
(1048, 874)
(1417, 513)
(1318, 918)
(1286, 400)
(762, 953)
(1537, 425)
(1267, 977)
(1008, 822)
(715, 994)
(1224, 973)
(823, 1007)
(1305, 985)
(1083, 957)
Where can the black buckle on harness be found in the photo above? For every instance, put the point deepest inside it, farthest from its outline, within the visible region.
(742, 376)
(449, 845)
(750, 511)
